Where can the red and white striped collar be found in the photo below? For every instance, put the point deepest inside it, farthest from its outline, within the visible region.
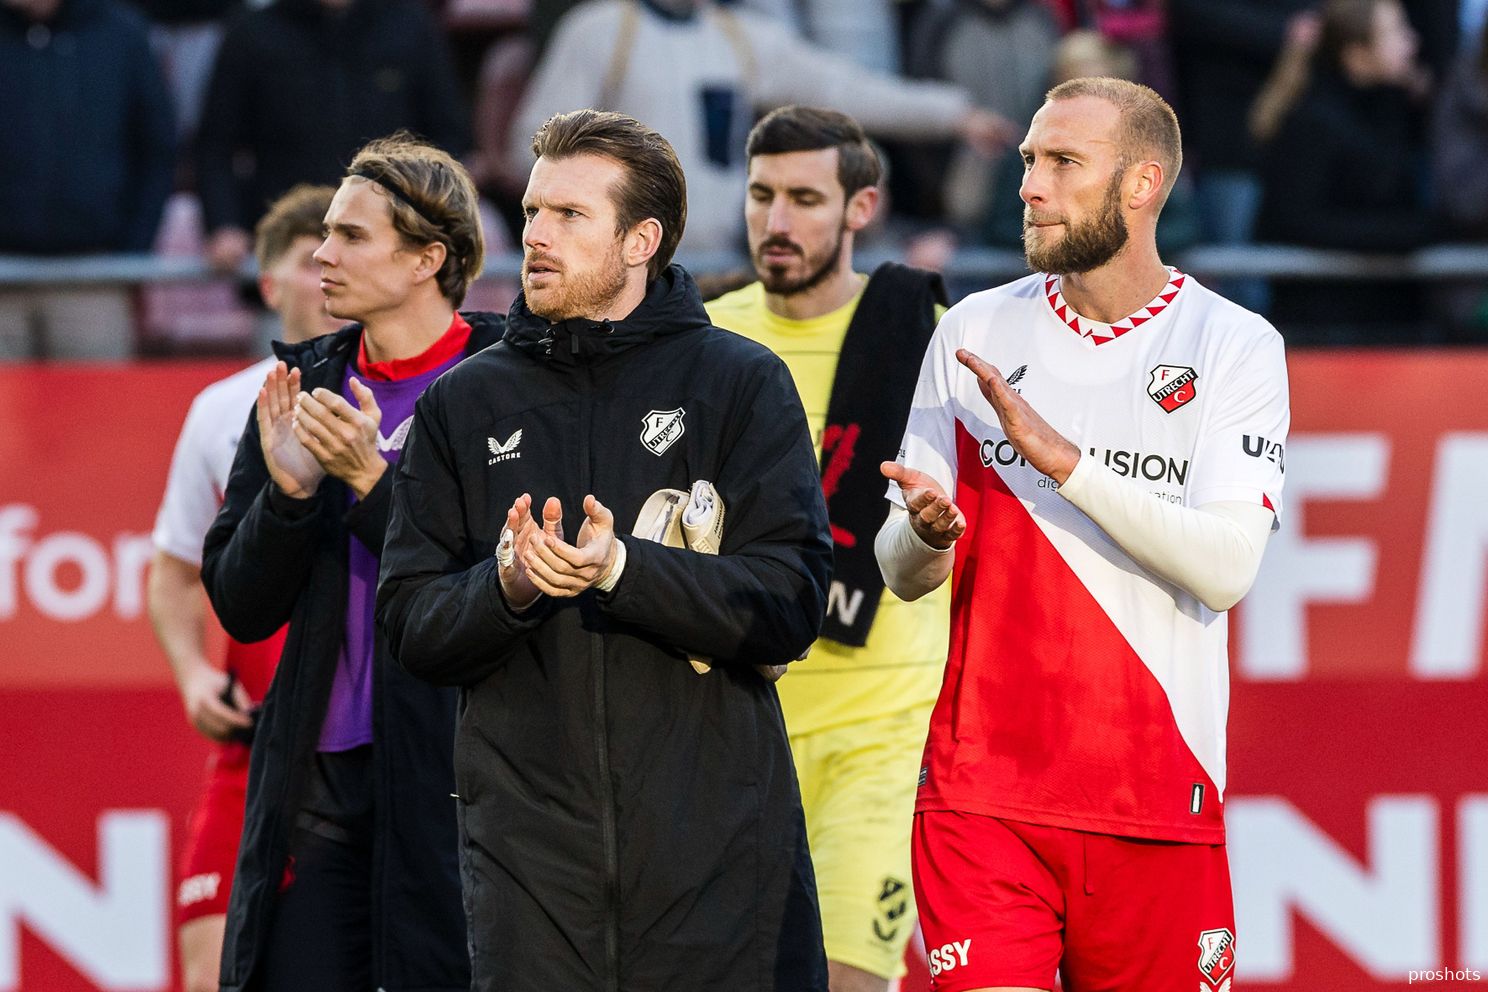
(1099, 333)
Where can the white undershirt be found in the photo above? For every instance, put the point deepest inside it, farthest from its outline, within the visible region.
(1212, 552)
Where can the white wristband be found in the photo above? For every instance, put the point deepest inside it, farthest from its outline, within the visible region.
(910, 567)
(607, 583)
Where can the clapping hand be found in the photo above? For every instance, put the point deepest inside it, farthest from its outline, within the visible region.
(293, 468)
(561, 569)
(1041, 446)
(937, 520)
(341, 437)
(511, 554)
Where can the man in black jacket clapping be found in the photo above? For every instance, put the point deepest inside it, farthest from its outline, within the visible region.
(347, 876)
(630, 817)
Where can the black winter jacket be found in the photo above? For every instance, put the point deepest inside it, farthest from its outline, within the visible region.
(626, 823)
(1347, 170)
(299, 88)
(263, 569)
(1223, 51)
(87, 139)
(1459, 145)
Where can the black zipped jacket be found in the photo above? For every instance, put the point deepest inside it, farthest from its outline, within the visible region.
(87, 136)
(264, 568)
(626, 823)
(297, 87)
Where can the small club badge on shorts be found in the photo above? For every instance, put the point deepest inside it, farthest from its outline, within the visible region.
(1216, 956)
(1171, 386)
(660, 428)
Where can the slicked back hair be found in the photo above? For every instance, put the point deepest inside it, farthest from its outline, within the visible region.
(810, 129)
(653, 186)
(430, 198)
(1148, 128)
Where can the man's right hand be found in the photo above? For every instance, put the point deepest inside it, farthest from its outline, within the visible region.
(201, 695)
(516, 586)
(935, 519)
(293, 469)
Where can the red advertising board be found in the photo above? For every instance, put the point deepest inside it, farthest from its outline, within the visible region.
(83, 456)
(1358, 810)
(98, 767)
(1358, 799)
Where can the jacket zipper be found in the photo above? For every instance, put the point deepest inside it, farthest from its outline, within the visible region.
(602, 735)
(274, 821)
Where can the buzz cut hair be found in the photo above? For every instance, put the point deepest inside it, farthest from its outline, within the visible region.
(297, 214)
(1148, 127)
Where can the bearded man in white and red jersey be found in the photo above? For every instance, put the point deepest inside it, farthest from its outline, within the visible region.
(1096, 452)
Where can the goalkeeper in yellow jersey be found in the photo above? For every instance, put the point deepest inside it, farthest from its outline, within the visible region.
(857, 711)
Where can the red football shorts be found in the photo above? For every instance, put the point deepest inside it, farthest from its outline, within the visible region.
(212, 833)
(1005, 903)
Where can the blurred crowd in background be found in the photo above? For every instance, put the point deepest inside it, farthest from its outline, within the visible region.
(167, 126)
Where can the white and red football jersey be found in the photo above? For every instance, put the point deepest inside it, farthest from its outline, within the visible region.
(1082, 690)
(202, 460)
(193, 494)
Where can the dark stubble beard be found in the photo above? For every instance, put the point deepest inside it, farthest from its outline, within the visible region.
(590, 293)
(1084, 247)
(778, 284)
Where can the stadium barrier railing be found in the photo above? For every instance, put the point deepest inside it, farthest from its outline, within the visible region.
(987, 265)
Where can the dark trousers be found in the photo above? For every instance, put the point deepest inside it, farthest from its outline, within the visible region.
(321, 937)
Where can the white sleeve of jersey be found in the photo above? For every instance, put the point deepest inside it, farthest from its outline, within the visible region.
(1241, 452)
(910, 567)
(1212, 552)
(929, 443)
(191, 499)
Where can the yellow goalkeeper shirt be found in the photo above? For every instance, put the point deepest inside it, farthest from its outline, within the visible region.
(900, 667)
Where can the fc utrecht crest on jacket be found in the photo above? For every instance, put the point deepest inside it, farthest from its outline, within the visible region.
(661, 428)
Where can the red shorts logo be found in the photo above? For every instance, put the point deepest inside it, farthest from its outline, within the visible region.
(1216, 954)
(1171, 386)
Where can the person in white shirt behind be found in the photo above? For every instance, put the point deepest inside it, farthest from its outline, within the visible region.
(700, 72)
(219, 698)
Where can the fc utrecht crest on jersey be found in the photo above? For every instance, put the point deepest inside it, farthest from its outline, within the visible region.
(1171, 386)
(1216, 954)
(660, 428)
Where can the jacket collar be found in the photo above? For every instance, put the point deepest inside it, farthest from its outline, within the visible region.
(672, 305)
(340, 347)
